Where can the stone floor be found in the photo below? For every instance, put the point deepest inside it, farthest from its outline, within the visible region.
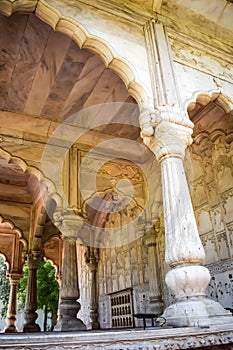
(216, 338)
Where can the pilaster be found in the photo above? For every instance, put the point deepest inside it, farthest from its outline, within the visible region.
(161, 66)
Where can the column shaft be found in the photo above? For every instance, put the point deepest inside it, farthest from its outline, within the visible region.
(12, 305)
(30, 313)
(93, 266)
(69, 307)
(155, 294)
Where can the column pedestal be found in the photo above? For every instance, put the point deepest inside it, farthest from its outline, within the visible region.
(191, 307)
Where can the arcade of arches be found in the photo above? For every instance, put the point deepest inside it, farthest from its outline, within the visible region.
(92, 175)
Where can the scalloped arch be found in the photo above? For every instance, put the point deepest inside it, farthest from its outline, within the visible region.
(80, 35)
(9, 225)
(36, 172)
(52, 263)
(205, 97)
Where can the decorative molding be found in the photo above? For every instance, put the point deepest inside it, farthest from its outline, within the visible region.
(201, 56)
(100, 165)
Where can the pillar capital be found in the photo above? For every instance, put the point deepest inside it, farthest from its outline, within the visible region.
(33, 259)
(68, 223)
(14, 277)
(151, 236)
(166, 131)
(92, 259)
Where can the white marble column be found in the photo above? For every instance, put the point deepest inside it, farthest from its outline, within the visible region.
(69, 292)
(184, 252)
(12, 304)
(30, 313)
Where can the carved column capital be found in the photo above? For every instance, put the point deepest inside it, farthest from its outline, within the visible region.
(166, 131)
(151, 238)
(68, 223)
(92, 258)
(33, 259)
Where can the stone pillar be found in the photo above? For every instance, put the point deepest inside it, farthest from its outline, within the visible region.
(184, 252)
(30, 314)
(12, 305)
(69, 292)
(92, 259)
(155, 294)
